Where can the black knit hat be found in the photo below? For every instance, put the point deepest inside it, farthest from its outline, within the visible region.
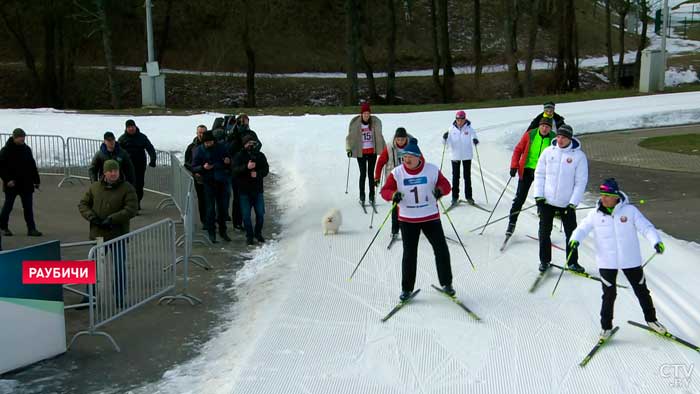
(565, 130)
(109, 136)
(549, 104)
(18, 133)
(546, 120)
(400, 133)
(247, 138)
(130, 122)
(208, 136)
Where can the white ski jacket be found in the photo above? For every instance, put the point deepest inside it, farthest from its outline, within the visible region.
(561, 174)
(617, 243)
(459, 140)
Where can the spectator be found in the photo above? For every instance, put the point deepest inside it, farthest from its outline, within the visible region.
(213, 163)
(134, 143)
(110, 150)
(198, 185)
(20, 177)
(249, 168)
(240, 129)
(109, 205)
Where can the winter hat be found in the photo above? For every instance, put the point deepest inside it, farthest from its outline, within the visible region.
(546, 120)
(549, 104)
(109, 136)
(208, 136)
(18, 133)
(566, 131)
(411, 148)
(110, 165)
(610, 188)
(364, 107)
(400, 133)
(130, 122)
(461, 115)
(247, 138)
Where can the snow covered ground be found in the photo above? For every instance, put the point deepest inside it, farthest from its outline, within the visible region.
(301, 327)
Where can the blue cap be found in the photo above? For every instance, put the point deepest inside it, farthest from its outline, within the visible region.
(610, 187)
(412, 148)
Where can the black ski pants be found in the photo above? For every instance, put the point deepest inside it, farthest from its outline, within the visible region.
(410, 234)
(524, 184)
(636, 278)
(568, 218)
(467, 167)
(366, 164)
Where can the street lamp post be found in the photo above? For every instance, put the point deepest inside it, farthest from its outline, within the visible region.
(152, 81)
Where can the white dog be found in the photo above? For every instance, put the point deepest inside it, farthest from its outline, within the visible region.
(331, 222)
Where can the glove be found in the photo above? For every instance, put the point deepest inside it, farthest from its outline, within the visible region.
(475, 141)
(540, 201)
(570, 209)
(349, 152)
(444, 136)
(152, 163)
(659, 247)
(96, 221)
(107, 222)
(397, 197)
(574, 244)
(437, 193)
(513, 171)
(376, 183)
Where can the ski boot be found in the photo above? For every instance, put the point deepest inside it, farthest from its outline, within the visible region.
(543, 266)
(575, 267)
(658, 327)
(605, 334)
(510, 230)
(405, 295)
(449, 290)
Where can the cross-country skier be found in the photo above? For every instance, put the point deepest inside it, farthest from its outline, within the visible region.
(388, 160)
(560, 180)
(548, 112)
(523, 162)
(615, 224)
(415, 187)
(364, 141)
(461, 139)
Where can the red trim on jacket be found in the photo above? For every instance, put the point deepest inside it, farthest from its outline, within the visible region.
(520, 153)
(390, 187)
(381, 162)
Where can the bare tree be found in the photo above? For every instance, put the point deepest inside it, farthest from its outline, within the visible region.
(448, 72)
(435, 46)
(14, 23)
(510, 10)
(608, 40)
(352, 33)
(250, 57)
(106, 32)
(533, 28)
(391, 55)
(622, 11)
(165, 32)
(566, 71)
(643, 13)
(476, 44)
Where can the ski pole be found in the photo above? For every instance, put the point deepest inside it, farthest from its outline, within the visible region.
(562, 271)
(371, 220)
(457, 234)
(649, 259)
(347, 179)
(372, 241)
(494, 208)
(502, 218)
(444, 145)
(482, 173)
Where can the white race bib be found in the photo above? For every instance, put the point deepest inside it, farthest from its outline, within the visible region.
(418, 200)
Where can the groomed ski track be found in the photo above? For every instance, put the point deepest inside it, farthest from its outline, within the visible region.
(326, 335)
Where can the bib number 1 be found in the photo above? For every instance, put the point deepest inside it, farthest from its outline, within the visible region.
(415, 193)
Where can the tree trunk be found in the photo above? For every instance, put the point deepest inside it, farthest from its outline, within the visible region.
(250, 58)
(643, 12)
(476, 43)
(17, 32)
(436, 50)
(608, 41)
(531, 45)
(621, 59)
(448, 80)
(572, 47)
(391, 55)
(49, 70)
(106, 31)
(351, 38)
(371, 84)
(566, 71)
(511, 22)
(165, 33)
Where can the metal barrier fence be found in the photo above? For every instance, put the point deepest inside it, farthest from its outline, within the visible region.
(79, 152)
(158, 180)
(131, 270)
(49, 152)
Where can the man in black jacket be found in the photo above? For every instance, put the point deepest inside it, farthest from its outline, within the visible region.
(198, 184)
(240, 129)
(557, 120)
(213, 162)
(249, 168)
(134, 143)
(110, 150)
(20, 177)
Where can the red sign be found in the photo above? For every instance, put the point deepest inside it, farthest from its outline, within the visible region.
(58, 272)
